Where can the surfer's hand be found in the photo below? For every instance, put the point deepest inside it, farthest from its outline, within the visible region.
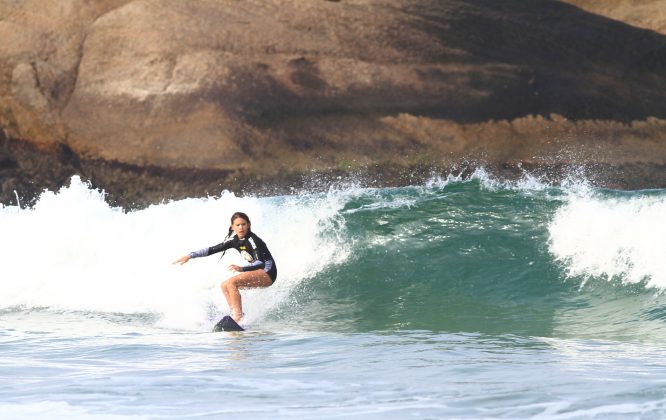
(182, 260)
(234, 267)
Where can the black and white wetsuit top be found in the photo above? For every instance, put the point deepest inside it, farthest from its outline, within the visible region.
(251, 248)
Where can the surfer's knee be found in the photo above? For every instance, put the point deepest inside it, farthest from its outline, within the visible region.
(225, 285)
(230, 283)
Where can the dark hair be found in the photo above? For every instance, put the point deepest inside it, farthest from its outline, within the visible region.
(241, 215)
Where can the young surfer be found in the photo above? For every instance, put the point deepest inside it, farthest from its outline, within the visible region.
(260, 272)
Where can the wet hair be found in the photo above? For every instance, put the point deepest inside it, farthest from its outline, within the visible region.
(238, 215)
(241, 215)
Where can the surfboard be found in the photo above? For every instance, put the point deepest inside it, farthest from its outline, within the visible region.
(227, 323)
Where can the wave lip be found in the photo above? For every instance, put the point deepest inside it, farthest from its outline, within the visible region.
(459, 255)
(612, 237)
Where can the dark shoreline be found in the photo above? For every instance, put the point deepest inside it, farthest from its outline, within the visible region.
(28, 171)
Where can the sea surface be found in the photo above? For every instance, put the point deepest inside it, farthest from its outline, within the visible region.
(459, 298)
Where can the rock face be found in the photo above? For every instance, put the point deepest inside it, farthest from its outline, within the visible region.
(223, 90)
(648, 14)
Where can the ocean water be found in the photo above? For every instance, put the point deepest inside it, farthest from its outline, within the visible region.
(474, 298)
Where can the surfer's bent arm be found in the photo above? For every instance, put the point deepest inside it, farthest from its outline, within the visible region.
(254, 265)
(261, 259)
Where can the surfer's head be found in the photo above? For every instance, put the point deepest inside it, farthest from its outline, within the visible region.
(240, 224)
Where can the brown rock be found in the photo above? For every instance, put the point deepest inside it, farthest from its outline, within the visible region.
(275, 88)
(648, 14)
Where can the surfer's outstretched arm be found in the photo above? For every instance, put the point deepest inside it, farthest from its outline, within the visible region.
(202, 253)
(182, 260)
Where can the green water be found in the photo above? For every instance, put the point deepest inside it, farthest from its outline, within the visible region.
(459, 299)
(468, 257)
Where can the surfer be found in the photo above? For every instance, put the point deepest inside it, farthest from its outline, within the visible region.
(260, 272)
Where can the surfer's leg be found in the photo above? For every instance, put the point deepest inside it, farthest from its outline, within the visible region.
(245, 280)
(225, 291)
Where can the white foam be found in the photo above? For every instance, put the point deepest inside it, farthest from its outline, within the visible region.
(612, 237)
(72, 251)
(54, 410)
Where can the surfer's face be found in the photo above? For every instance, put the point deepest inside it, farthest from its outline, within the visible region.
(240, 227)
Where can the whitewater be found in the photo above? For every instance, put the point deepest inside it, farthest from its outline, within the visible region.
(458, 298)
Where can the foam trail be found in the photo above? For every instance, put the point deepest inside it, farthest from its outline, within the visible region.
(73, 252)
(612, 238)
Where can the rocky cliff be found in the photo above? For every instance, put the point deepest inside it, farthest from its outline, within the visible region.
(158, 99)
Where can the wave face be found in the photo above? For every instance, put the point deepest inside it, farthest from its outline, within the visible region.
(462, 256)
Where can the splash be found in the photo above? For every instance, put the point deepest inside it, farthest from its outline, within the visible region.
(612, 237)
(73, 252)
